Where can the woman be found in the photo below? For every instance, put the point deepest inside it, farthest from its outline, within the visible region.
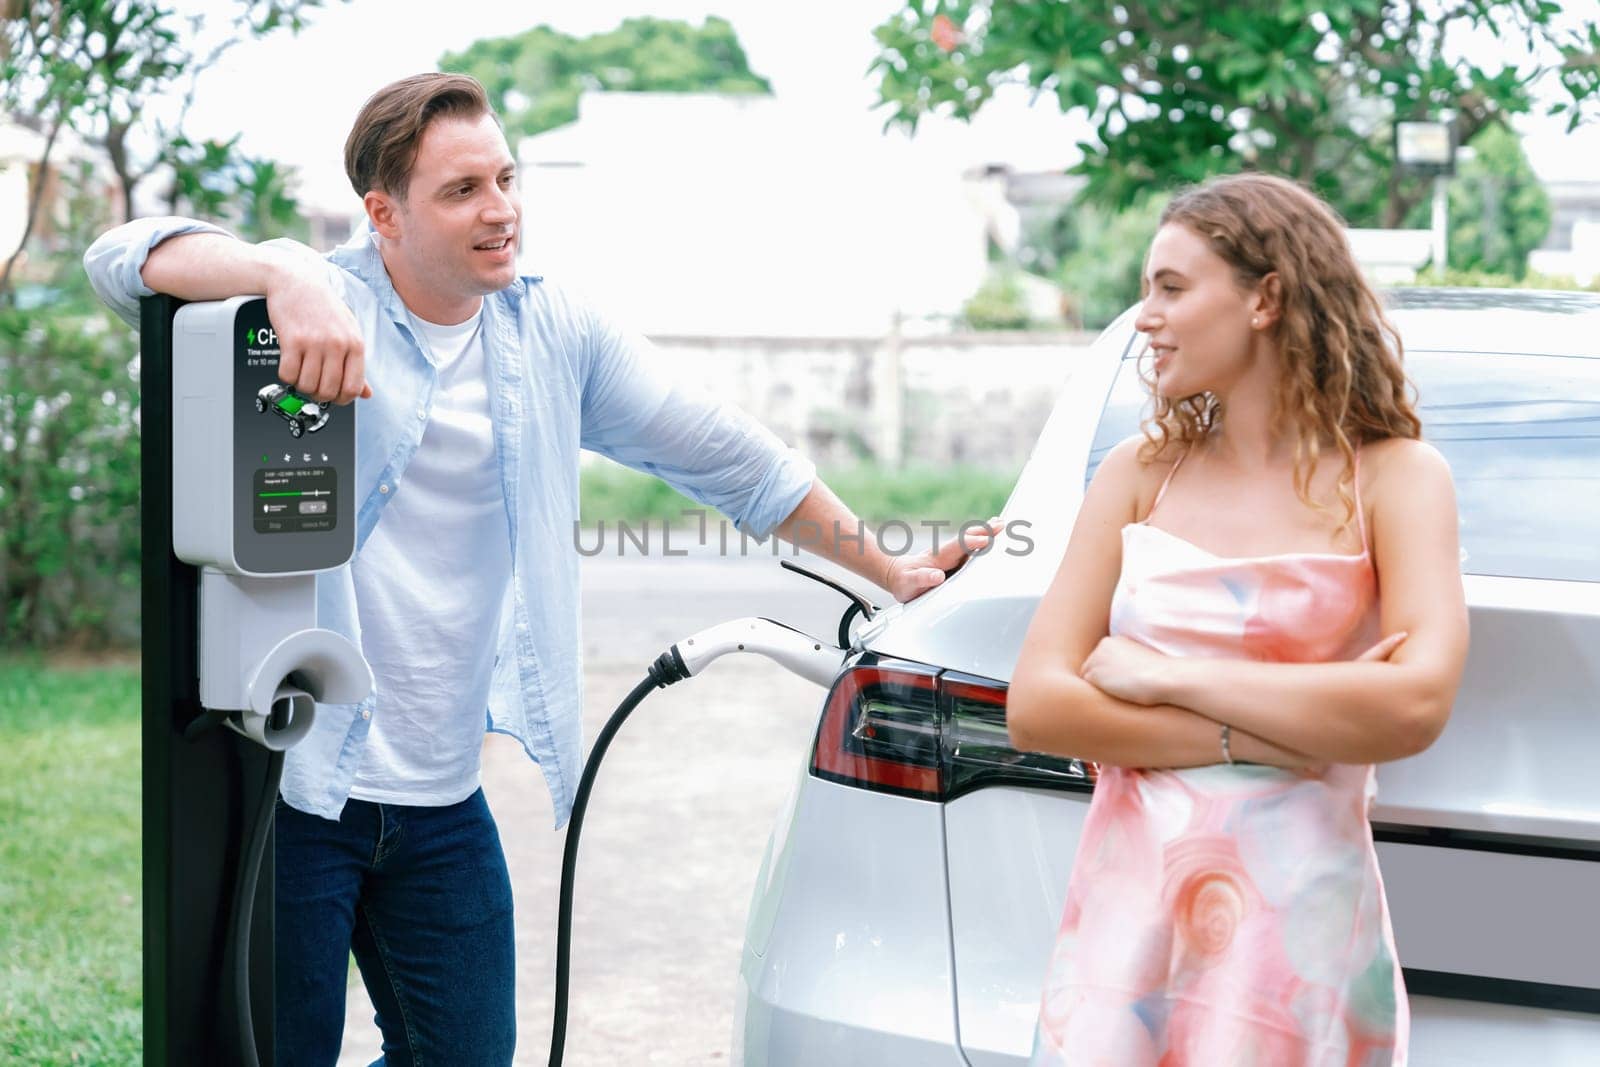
(1214, 640)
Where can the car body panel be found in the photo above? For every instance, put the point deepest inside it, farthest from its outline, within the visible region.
(1518, 755)
(1511, 777)
(991, 598)
(1496, 320)
(1539, 660)
(768, 1034)
(1488, 914)
(1453, 909)
(852, 924)
(1023, 840)
(1466, 1033)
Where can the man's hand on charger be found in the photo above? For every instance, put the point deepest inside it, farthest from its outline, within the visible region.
(322, 354)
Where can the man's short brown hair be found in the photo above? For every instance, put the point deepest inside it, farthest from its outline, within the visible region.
(382, 146)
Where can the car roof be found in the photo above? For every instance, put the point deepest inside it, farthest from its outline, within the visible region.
(1538, 322)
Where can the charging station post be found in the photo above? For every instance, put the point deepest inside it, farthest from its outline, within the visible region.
(200, 794)
(239, 515)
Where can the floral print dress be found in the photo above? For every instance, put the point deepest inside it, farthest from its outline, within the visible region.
(1229, 916)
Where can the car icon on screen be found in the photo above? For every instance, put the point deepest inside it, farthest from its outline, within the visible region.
(303, 416)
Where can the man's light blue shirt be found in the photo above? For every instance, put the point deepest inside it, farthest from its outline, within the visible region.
(561, 379)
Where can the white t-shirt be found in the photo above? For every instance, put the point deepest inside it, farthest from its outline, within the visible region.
(430, 583)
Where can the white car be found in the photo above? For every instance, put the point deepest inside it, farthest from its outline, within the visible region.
(910, 895)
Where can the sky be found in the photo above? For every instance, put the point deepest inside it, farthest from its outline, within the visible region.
(293, 97)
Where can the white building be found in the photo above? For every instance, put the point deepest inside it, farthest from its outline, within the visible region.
(20, 173)
(19, 150)
(1565, 163)
(1572, 247)
(704, 213)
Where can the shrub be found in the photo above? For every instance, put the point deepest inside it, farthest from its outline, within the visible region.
(1483, 279)
(610, 492)
(1103, 259)
(69, 479)
(999, 304)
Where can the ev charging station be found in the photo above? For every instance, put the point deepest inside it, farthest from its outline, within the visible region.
(252, 487)
(248, 492)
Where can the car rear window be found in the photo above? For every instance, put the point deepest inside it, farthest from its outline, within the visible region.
(1522, 436)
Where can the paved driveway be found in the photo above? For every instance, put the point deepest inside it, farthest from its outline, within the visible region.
(677, 824)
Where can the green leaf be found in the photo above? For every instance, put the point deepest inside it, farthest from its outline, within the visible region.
(1311, 97)
(545, 70)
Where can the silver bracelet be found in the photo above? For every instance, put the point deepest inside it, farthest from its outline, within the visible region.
(1227, 754)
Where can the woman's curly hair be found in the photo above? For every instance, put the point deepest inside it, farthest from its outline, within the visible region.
(1342, 376)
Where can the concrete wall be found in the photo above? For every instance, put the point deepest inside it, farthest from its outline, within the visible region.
(971, 398)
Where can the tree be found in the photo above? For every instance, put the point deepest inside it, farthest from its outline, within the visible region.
(94, 66)
(1103, 258)
(252, 196)
(69, 393)
(999, 303)
(1499, 211)
(535, 78)
(1183, 89)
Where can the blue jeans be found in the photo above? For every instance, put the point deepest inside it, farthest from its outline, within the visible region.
(423, 898)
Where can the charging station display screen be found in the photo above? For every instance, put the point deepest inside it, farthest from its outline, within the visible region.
(294, 461)
(295, 501)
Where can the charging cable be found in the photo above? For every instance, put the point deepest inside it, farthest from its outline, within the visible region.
(244, 899)
(252, 851)
(801, 653)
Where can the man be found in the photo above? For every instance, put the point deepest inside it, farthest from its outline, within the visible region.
(479, 388)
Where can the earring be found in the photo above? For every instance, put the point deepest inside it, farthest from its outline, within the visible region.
(1256, 321)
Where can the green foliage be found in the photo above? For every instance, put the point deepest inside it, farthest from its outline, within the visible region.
(215, 181)
(80, 62)
(70, 961)
(69, 444)
(535, 78)
(58, 268)
(999, 303)
(200, 177)
(94, 66)
(612, 493)
(1102, 258)
(69, 479)
(609, 492)
(1186, 89)
(1480, 279)
(919, 493)
(265, 207)
(1499, 211)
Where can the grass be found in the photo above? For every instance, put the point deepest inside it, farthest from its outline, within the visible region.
(70, 956)
(70, 929)
(613, 493)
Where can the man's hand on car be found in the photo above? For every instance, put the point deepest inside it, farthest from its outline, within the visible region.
(911, 576)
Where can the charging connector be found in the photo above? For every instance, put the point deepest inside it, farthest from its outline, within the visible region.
(814, 660)
(801, 653)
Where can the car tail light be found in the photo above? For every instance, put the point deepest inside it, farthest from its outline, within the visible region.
(906, 728)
